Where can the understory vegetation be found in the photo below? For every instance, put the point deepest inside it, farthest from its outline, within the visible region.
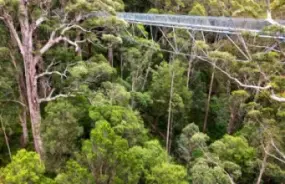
(87, 98)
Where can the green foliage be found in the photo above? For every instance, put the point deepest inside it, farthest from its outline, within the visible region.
(238, 97)
(74, 173)
(219, 107)
(203, 172)
(161, 85)
(234, 149)
(111, 39)
(61, 132)
(151, 154)
(99, 135)
(198, 9)
(191, 143)
(92, 72)
(168, 174)
(104, 152)
(26, 167)
(124, 121)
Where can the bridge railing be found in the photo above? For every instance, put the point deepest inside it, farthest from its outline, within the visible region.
(221, 23)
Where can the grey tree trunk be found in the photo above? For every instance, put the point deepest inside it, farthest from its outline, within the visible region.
(22, 96)
(32, 96)
(23, 115)
(110, 55)
(231, 124)
(264, 163)
(170, 111)
(208, 101)
(6, 138)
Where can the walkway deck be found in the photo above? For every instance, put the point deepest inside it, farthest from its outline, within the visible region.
(225, 25)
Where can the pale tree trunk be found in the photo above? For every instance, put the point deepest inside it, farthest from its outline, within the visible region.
(134, 87)
(25, 44)
(30, 62)
(31, 57)
(77, 39)
(208, 101)
(169, 111)
(25, 133)
(264, 163)
(6, 138)
(23, 101)
(34, 106)
(133, 90)
(110, 55)
(257, 91)
(146, 76)
(231, 124)
(171, 134)
(190, 61)
(23, 115)
(189, 71)
(268, 10)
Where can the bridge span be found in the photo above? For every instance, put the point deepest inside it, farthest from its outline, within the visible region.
(227, 25)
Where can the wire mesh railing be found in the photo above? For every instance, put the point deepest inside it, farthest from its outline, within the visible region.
(209, 23)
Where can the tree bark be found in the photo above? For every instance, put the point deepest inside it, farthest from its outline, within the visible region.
(146, 76)
(169, 111)
(110, 55)
(257, 91)
(23, 100)
(208, 101)
(264, 163)
(6, 138)
(25, 45)
(190, 61)
(23, 115)
(30, 63)
(189, 71)
(34, 106)
(231, 124)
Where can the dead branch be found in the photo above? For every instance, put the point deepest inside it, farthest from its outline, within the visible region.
(52, 98)
(277, 150)
(73, 26)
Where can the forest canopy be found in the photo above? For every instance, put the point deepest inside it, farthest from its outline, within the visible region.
(89, 98)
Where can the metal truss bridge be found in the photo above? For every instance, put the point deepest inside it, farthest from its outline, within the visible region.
(225, 25)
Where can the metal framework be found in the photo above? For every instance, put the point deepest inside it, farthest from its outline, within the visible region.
(225, 25)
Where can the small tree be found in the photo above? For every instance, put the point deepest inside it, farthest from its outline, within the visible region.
(26, 167)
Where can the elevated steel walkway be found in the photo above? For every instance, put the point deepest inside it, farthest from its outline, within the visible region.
(225, 25)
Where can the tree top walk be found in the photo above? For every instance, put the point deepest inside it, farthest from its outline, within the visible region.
(227, 25)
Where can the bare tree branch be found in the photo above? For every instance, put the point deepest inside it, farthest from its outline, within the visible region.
(6, 138)
(269, 14)
(276, 98)
(52, 98)
(50, 43)
(273, 96)
(73, 26)
(235, 79)
(273, 156)
(56, 40)
(50, 73)
(74, 43)
(40, 20)
(10, 24)
(278, 151)
(241, 51)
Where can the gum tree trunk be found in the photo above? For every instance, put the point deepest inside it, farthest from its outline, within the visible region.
(208, 102)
